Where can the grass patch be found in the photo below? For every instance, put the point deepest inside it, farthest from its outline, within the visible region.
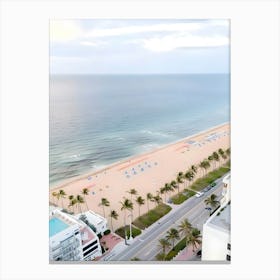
(135, 231)
(152, 216)
(178, 247)
(201, 183)
(181, 197)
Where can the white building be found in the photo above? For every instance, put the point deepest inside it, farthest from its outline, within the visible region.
(226, 191)
(100, 223)
(216, 244)
(70, 239)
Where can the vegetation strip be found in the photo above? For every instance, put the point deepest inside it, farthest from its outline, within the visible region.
(135, 231)
(181, 197)
(178, 247)
(152, 216)
(201, 183)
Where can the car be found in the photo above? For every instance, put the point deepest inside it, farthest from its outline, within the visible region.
(199, 194)
(213, 185)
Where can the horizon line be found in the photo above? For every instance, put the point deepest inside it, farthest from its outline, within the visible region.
(139, 74)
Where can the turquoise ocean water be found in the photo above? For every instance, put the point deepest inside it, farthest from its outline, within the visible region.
(96, 120)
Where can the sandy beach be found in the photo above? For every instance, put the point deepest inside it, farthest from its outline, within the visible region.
(146, 172)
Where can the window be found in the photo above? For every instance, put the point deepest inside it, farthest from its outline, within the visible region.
(91, 244)
(89, 251)
(228, 257)
(228, 246)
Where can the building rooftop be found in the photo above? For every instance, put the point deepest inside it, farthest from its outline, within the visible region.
(93, 218)
(56, 225)
(221, 219)
(87, 235)
(226, 179)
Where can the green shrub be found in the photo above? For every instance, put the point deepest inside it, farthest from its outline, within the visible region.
(107, 231)
(178, 247)
(181, 197)
(178, 198)
(135, 231)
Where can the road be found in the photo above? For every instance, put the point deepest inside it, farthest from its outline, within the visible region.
(145, 246)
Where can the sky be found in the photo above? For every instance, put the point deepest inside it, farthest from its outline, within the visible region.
(139, 46)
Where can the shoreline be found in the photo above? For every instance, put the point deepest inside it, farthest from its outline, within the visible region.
(72, 180)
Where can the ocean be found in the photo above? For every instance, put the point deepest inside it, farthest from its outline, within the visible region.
(96, 120)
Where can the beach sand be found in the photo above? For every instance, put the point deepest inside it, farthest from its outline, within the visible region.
(146, 173)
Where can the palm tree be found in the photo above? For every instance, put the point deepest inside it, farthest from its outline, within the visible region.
(113, 215)
(70, 197)
(61, 194)
(149, 197)
(169, 188)
(72, 203)
(221, 152)
(210, 159)
(164, 244)
(80, 201)
(194, 169)
(157, 199)
(163, 191)
(189, 175)
(179, 181)
(126, 205)
(85, 192)
(55, 195)
(228, 152)
(104, 203)
(194, 238)
(216, 157)
(172, 235)
(174, 186)
(132, 192)
(185, 228)
(212, 201)
(204, 165)
(140, 201)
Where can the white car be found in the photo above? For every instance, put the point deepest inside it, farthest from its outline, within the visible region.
(199, 194)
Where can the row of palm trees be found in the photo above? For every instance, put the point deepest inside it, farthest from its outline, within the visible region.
(192, 172)
(185, 229)
(77, 200)
(127, 204)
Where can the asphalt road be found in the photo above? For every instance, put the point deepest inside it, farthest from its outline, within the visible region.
(145, 246)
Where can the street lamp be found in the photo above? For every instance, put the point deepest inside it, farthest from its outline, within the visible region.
(130, 226)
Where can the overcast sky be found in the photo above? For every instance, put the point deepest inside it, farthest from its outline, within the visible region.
(139, 46)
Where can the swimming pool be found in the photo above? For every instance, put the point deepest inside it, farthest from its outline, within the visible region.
(55, 226)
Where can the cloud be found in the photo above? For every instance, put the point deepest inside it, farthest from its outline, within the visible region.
(93, 44)
(169, 43)
(64, 30)
(108, 32)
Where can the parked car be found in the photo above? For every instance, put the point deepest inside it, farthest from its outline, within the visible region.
(199, 194)
(213, 185)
